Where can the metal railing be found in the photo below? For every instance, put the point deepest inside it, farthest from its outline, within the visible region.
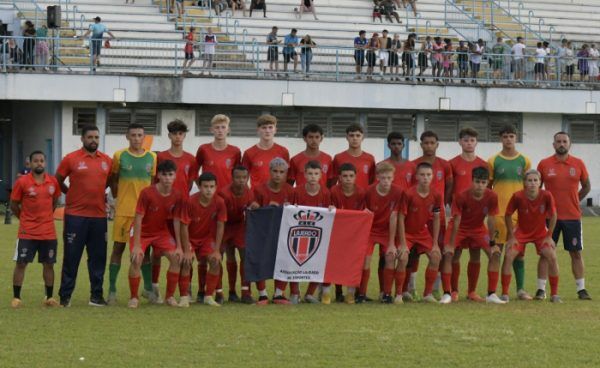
(251, 60)
(465, 24)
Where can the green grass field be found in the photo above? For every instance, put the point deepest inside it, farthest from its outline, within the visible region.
(520, 334)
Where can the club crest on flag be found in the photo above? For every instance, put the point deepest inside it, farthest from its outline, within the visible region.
(305, 238)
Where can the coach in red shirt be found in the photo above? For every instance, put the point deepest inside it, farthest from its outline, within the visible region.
(566, 177)
(85, 215)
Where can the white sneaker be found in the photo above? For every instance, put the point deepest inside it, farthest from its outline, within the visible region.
(147, 294)
(111, 299)
(523, 295)
(209, 300)
(171, 302)
(184, 301)
(398, 299)
(295, 299)
(311, 299)
(446, 299)
(157, 297)
(429, 299)
(133, 303)
(505, 298)
(493, 299)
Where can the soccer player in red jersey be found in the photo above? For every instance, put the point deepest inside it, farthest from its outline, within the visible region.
(201, 220)
(348, 196)
(238, 197)
(534, 206)
(363, 161)
(187, 173)
(419, 205)
(152, 226)
(313, 194)
(383, 199)
(566, 177)
(33, 200)
(313, 136)
(258, 157)
(462, 169)
(467, 231)
(404, 169)
(275, 192)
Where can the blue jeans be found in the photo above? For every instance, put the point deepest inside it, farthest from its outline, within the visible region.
(305, 60)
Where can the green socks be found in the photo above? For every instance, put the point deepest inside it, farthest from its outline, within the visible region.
(519, 268)
(147, 276)
(113, 272)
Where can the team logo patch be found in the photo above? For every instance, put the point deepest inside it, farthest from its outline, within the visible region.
(439, 175)
(462, 173)
(31, 191)
(148, 168)
(51, 253)
(104, 166)
(574, 241)
(572, 171)
(408, 177)
(485, 210)
(551, 172)
(187, 169)
(542, 208)
(519, 170)
(228, 163)
(305, 238)
(23, 253)
(51, 189)
(82, 166)
(366, 169)
(325, 168)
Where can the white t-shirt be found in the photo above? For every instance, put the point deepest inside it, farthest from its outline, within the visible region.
(518, 51)
(540, 55)
(476, 58)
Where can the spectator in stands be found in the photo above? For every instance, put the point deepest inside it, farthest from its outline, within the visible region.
(189, 50)
(308, 6)
(377, 10)
(413, 5)
(371, 54)
(220, 6)
(385, 44)
(97, 30)
(238, 4)
(408, 56)
(360, 44)
(210, 46)
(260, 5)
(389, 11)
(582, 62)
(499, 53)
(15, 55)
(448, 61)
(437, 57)
(306, 46)
(593, 61)
(179, 4)
(518, 53)
(394, 58)
(424, 55)
(569, 60)
(463, 60)
(549, 59)
(29, 45)
(273, 50)
(562, 50)
(475, 64)
(540, 63)
(289, 50)
(41, 47)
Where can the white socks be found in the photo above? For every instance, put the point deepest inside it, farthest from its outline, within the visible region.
(541, 284)
(580, 283)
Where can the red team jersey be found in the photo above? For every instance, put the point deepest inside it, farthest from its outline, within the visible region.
(442, 173)
(321, 199)
(265, 196)
(354, 202)
(382, 208)
(472, 232)
(404, 173)
(532, 215)
(365, 167)
(187, 170)
(220, 163)
(462, 172)
(157, 211)
(235, 228)
(296, 172)
(36, 220)
(418, 210)
(202, 221)
(562, 179)
(257, 161)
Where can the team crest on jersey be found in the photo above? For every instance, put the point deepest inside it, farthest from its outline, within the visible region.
(572, 171)
(82, 166)
(462, 173)
(542, 208)
(519, 170)
(187, 169)
(305, 238)
(228, 163)
(366, 169)
(485, 210)
(104, 166)
(325, 168)
(51, 189)
(408, 177)
(439, 175)
(148, 168)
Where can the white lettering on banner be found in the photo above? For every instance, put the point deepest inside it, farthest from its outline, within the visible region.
(303, 243)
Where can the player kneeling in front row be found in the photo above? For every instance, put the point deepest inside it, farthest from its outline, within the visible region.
(151, 227)
(534, 206)
(202, 221)
(419, 204)
(467, 231)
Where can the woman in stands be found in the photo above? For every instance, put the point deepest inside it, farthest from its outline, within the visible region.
(394, 62)
(424, 55)
(308, 6)
(582, 62)
(260, 5)
(29, 45)
(306, 46)
(371, 54)
(238, 4)
(408, 61)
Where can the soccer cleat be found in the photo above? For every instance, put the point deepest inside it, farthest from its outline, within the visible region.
(430, 299)
(311, 299)
(171, 302)
(381, 295)
(184, 302)
(111, 299)
(446, 299)
(50, 302)
(220, 299)
(583, 295)
(262, 300)
(474, 297)
(281, 300)
(248, 299)
(349, 298)
(398, 300)
(133, 303)
(540, 294)
(555, 299)
(233, 298)
(295, 299)
(200, 297)
(523, 295)
(97, 301)
(407, 297)
(16, 303)
(157, 298)
(493, 299)
(65, 302)
(326, 298)
(367, 299)
(360, 299)
(209, 300)
(387, 299)
(505, 298)
(147, 294)
(454, 296)
(339, 298)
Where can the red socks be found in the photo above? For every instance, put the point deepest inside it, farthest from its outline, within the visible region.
(430, 276)
(492, 281)
(447, 281)
(280, 285)
(388, 280)
(211, 283)
(506, 283)
(455, 275)
(400, 277)
(155, 273)
(294, 288)
(232, 275)
(473, 275)
(172, 280)
(312, 287)
(184, 285)
(134, 285)
(261, 285)
(364, 282)
(553, 285)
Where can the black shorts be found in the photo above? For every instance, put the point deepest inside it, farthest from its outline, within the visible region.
(539, 68)
(95, 46)
(189, 56)
(287, 57)
(571, 234)
(27, 248)
(423, 60)
(393, 59)
(371, 59)
(272, 53)
(570, 69)
(359, 57)
(407, 60)
(475, 67)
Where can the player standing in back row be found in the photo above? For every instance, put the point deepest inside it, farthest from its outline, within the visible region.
(507, 170)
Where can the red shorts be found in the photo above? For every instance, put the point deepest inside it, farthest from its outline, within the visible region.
(423, 241)
(160, 243)
(377, 239)
(235, 234)
(203, 248)
(470, 240)
(539, 245)
(442, 233)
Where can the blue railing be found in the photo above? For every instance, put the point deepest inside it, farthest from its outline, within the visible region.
(465, 24)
